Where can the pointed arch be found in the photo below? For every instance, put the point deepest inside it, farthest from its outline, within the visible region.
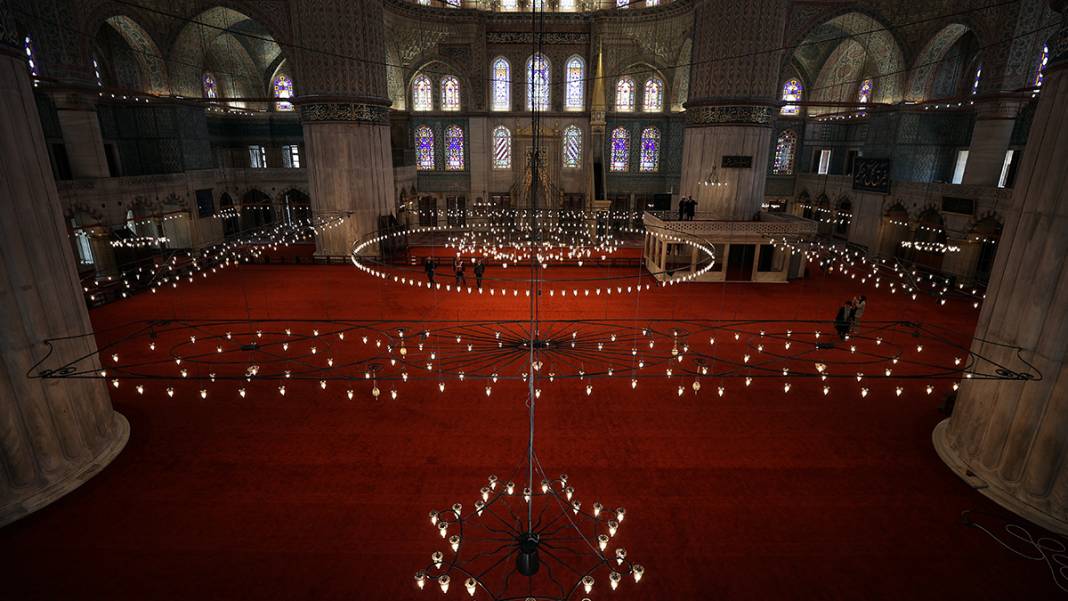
(501, 90)
(572, 146)
(539, 78)
(424, 148)
(575, 84)
(450, 93)
(502, 148)
(620, 155)
(625, 94)
(422, 94)
(649, 161)
(653, 95)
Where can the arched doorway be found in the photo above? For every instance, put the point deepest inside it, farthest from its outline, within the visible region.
(296, 206)
(930, 229)
(256, 209)
(843, 217)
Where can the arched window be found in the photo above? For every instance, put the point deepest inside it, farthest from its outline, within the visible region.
(502, 148)
(572, 146)
(567, 5)
(785, 151)
(283, 88)
(1040, 77)
(653, 99)
(864, 94)
(452, 3)
(978, 78)
(574, 72)
(791, 93)
(538, 5)
(509, 4)
(625, 95)
(502, 85)
(650, 156)
(538, 83)
(424, 148)
(450, 93)
(454, 148)
(211, 87)
(422, 97)
(96, 72)
(31, 56)
(622, 3)
(620, 149)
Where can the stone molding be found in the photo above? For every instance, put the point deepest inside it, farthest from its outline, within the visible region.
(704, 116)
(345, 112)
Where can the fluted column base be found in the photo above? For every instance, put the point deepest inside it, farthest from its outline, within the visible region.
(33, 498)
(990, 486)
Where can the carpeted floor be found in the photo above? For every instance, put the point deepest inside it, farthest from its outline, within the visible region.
(754, 496)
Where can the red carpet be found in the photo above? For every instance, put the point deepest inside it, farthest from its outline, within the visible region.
(754, 496)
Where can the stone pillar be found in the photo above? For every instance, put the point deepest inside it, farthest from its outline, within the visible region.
(1009, 438)
(733, 95)
(345, 112)
(991, 136)
(54, 433)
(81, 136)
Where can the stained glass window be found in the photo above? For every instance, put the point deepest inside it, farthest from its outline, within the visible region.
(211, 87)
(785, 150)
(864, 94)
(1040, 77)
(622, 3)
(453, 3)
(424, 148)
(620, 149)
(96, 71)
(454, 148)
(625, 94)
(31, 58)
(283, 88)
(572, 146)
(502, 148)
(450, 93)
(538, 83)
(576, 85)
(978, 77)
(791, 92)
(653, 100)
(422, 96)
(502, 85)
(650, 154)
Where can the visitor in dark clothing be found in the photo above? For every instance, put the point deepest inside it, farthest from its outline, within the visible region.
(841, 320)
(429, 265)
(480, 268)
(459, 268)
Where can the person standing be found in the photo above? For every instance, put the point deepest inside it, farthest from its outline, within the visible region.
(858, 311)
(459, 269)
(682, 208)
(429, 265)
(480, 268)
(692, 209)
(841, 320)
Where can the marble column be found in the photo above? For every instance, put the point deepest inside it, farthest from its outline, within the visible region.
(733, 98)
(1009, 438)
(994, 122)
(54, 433)
(344, 108)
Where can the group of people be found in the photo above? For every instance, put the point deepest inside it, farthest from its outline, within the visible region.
(687, 208)
(459, 269)
(849, 314)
